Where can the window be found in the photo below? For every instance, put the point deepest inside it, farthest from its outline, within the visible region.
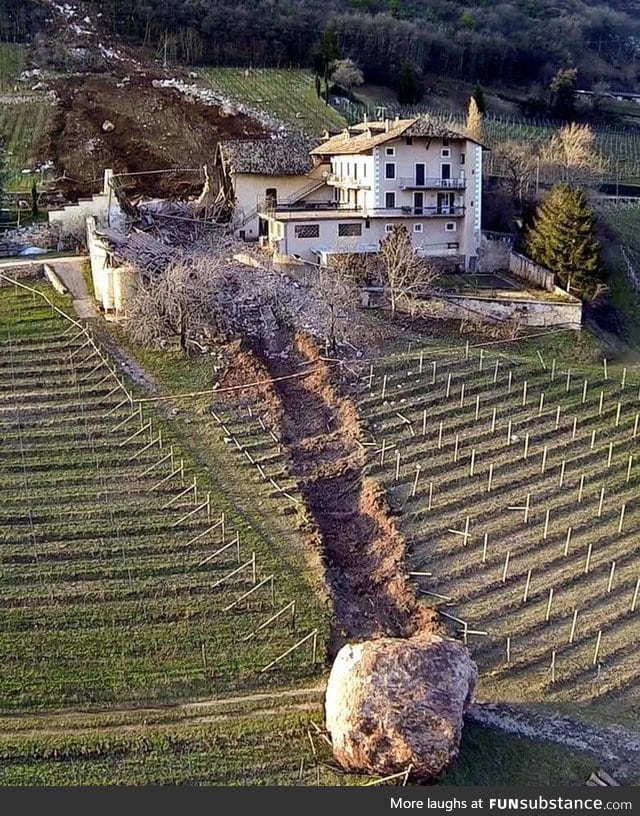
(390, 170)
(364, 170)
(388, 227)
(409, 140)
(445, 143)
(450, 226)
(390, 151)
(307, 231)
(355, 170)
(367, 223)
(390, 200)
(445, 153)
(462, 158)
(418, 228)
(345, 230)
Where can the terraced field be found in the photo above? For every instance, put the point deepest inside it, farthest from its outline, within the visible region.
(517, 484)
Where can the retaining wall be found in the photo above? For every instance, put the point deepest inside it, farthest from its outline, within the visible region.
(526, 269)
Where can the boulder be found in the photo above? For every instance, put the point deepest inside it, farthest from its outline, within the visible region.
(108, 126)
(393, 702)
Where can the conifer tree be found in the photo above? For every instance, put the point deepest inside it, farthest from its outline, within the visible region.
(563, 239)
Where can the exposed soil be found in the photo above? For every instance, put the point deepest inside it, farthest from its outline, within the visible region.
(352, 529)
(155, 129)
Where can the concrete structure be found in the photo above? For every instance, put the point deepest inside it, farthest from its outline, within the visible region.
(523, 308)
(526, 269)
(368, 179)
(113, 283)
(71, 220)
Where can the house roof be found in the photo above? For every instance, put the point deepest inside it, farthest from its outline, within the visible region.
(282, 156)
(365, 136)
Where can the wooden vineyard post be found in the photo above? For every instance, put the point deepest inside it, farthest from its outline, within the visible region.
(424, 422)
(464, 533)
(382, 451)
(415, 482)
(203, 650)
(505, 570)
(568, 386)
(610, 454)
(508, 651)
(557, 417)
(575, 427)
(593, 439)
(623, 381)
(370, 376)
(541, 404)
(495, 372)
(584, 391)
(635, 426)
(581, 489)
(433, 373)
(455, 449)
(567, 541)
(525, 595)
(490, 478)
(562, 470)
(462, 395)
(612, 572)
(524, 393)
(384, 387)
(493, 421)
(596, 651)
(621, 521)
(604, 368)
(618, 411)
(421, 362)
(553, 666)
(477, 407)
(481, 360)
(600, 403)
(485, 544)
(430, 504)
(634, 600)
(509, 432)
(509, 382)
(448, 391)
(546, 525)
(547, 616)
(587, 562)
(466, 350)
(544, 460)
(440, 436)
(629, 466)
(572, 634)
(553, 369)
(472, 463)
(601, 502)
(397, 464)
(526, 445)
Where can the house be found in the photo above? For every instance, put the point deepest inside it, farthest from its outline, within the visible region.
(367, 179)
(278, 170)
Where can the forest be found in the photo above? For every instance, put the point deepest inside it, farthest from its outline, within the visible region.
(517, 43)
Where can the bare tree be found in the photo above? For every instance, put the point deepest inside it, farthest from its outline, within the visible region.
(405, 273)
(518, 161)
(571, 156)
(346, 73)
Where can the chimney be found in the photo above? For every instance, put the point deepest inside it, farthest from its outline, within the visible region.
(386, 124)
(365, 120)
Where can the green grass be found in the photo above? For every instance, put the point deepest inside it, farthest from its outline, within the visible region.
(23, 126)
(288, 94)
(104, 595)
(12, 62)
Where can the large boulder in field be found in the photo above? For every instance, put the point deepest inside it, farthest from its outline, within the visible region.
(393, 702)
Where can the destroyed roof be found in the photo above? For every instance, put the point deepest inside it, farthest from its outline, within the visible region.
(365, 136)
(137, 248)
(283, 156)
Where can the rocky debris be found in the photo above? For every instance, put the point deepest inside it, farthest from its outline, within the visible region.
(392, 703)
(108, 126)
(227, 106)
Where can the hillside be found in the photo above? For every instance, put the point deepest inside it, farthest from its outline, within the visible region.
(521, 41)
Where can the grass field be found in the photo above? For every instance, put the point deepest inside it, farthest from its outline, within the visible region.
(23, 126)
(288, 95)
(137, 604)
(12, 62)
(517, 435)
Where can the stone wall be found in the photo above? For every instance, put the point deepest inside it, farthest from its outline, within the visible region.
(564, 311)
(20, 270)
(526, 269)
(494, 251)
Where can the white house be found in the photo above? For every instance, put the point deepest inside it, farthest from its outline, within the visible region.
(367, 179)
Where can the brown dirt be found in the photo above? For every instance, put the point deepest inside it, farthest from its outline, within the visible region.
(363, 553)
(155, 129)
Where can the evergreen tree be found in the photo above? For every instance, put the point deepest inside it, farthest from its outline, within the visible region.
(407, 85)
(563, 239)
(481, 101)
(563, 93)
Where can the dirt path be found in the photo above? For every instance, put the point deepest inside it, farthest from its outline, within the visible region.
(363, 552)
(70, 273)
(613, 745)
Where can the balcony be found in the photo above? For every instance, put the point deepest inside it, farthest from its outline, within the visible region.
(348, 182)
(330, 209)
(447, 210)
(432, 184)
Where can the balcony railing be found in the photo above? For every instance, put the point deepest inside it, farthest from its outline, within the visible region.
(268, 207)
(348, 181)
(433, 184)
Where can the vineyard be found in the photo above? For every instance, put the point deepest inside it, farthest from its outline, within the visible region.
(12, 61)
(288, 95)
(123, 578)
(517, 481)
(24, 122)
